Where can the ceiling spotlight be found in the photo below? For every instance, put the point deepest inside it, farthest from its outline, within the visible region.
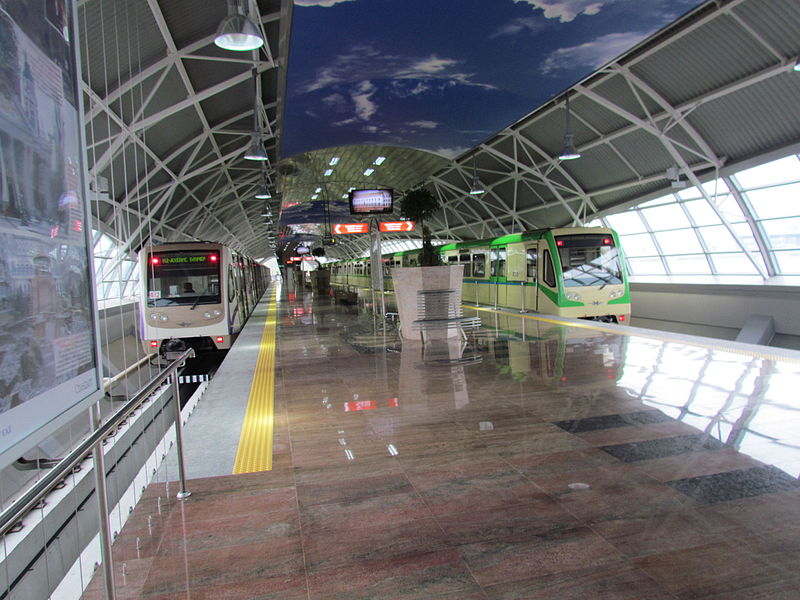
(264, 194)
(328, 172)
(569, 152)
(379, 160)
(369, 172)
(674, 175)
(236, 31)
(334, 161)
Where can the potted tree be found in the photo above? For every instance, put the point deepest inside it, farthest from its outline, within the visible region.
(419, 205)
(320, 277)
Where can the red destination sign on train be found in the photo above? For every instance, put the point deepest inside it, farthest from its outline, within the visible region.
(341, 228)
(395, 226)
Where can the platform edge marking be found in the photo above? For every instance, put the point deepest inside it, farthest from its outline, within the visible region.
(254, 452)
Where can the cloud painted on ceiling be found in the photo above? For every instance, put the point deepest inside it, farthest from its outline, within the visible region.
(445, 75)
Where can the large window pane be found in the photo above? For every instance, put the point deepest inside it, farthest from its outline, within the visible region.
(779, 201)
(778, 171)
(670, 216)
(689, 193)
(640, 244)
(646, 266)
(717, 186)
(745, 234)
(688, 265)
(718, 239)
(733, 264)
(788, 261)
(701, 212)
(782, 233)
(658, 201)
(104, 246)
(678, 242)
(626, 222)
(730, 209)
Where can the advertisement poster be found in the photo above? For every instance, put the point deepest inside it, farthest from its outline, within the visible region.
(48, 366)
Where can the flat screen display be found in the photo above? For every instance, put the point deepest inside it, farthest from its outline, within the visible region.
(371, 202)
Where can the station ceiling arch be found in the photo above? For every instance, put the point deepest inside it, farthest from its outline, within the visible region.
(169, 116)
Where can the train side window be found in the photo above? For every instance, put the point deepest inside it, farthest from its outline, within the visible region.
(549, 274)
(464, 260)
(531, 257)
(479, 265)
(231, 285)
(452, 258)
(498, 268)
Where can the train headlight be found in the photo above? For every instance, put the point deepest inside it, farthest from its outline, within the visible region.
(616, 294)
(216, 313)
(154, 316)
(573, 296)
(162, 318)
(207, 315)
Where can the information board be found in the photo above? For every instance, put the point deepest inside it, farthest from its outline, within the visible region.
(48, 353)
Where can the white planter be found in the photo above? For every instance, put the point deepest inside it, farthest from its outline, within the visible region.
(408, 281)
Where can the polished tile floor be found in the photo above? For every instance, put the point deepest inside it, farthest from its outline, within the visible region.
(542, 461)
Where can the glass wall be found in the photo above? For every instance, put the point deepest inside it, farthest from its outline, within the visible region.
(743, 228)
(117, 277)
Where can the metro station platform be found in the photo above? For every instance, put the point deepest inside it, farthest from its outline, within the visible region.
(548, 460)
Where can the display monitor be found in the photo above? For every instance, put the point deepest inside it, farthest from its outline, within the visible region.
(370, 202)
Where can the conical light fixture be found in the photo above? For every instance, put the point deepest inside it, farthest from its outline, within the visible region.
(255, 150)
(476, 189)
(569, 152)
(236, 31)
(264, 193)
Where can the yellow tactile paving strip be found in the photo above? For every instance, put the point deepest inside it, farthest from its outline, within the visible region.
(255, 442)
(639, 333)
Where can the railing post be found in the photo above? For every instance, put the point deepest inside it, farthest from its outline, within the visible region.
(102, 507)
(176, 395)
(522, 290)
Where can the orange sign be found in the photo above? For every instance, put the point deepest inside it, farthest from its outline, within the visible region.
(395, 226)
(341, 228)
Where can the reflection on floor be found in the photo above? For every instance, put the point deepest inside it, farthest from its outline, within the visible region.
(567, 463)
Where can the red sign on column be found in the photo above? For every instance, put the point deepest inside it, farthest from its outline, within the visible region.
(396, 226)
(341, 228)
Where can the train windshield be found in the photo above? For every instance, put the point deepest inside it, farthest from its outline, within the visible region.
(183, 277)
(589, 259)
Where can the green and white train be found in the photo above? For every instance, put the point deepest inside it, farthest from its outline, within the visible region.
(576, 272)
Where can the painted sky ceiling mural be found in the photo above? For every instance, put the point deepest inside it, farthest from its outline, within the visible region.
(444, 75)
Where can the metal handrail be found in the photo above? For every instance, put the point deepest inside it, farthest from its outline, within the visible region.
(22, 505)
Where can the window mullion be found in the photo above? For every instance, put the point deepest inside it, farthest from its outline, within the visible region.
(712, 267)
(655, 243)
(755, 226)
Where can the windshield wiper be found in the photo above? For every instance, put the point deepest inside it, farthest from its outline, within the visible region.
(195, 303)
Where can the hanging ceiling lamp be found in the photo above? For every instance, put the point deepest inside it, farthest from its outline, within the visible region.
(256, 151)
(236, 31)
(264, 193)
(476, 189)
(569, 152)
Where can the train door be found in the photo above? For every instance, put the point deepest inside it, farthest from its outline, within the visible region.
(520, 293)
(499, 287)
(531, 289)
(468, 288)
(547, 294)
(480, 274)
